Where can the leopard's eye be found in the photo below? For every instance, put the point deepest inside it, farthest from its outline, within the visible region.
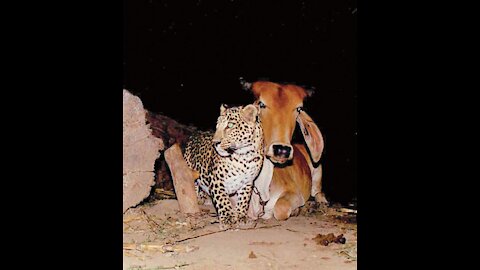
(299, 109)
(262, 105)
(230, 125)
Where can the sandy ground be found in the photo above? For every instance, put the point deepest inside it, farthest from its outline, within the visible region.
(157, 236)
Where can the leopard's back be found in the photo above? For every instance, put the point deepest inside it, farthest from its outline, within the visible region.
(199, 151)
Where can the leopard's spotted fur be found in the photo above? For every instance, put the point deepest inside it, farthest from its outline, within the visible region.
(229, 160)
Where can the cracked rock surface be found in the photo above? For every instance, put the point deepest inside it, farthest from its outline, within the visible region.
(140, 150)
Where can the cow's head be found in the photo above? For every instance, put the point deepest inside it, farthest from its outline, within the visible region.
(281, 107)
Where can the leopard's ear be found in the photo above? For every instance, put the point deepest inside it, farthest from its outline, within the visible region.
(223, 107)
(249, 113)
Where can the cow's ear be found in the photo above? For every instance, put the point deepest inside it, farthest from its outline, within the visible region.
(312, 135)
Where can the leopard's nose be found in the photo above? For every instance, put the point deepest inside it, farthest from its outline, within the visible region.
(215, 142)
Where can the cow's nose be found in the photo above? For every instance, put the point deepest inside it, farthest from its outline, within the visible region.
(282, 151)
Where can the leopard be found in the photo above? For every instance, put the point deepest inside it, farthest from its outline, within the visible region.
(228, 161)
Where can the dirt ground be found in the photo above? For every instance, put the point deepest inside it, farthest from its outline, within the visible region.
(157, 236)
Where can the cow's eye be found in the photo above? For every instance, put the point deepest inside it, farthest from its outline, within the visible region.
(299, 109)
(261, 105)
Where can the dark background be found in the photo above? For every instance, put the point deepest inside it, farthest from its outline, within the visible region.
(65, 66)
(184, 58)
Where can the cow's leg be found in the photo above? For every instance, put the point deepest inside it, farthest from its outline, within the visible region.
(317, 186)
(286, 205)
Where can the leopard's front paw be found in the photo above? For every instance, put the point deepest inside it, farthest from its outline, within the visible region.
(228, 221)
(246, 223)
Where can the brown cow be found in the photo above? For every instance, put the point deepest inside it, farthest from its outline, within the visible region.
(286, 187)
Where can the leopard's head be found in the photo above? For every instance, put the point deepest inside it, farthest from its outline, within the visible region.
(235, 129)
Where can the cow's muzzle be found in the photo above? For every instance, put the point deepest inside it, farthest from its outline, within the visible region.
(280, 153)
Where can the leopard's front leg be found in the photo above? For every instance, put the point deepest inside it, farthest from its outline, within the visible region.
(244, 195)
(226, 214)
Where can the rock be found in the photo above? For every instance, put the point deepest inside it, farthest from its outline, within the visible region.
(140, 150)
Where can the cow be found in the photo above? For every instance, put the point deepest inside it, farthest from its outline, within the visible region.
(290, 173)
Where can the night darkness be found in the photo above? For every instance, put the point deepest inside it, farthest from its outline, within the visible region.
(184, 58)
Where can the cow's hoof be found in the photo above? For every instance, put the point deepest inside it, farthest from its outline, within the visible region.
(321, 199)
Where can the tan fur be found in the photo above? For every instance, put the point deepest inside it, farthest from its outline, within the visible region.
(290, 186)
(293, 184)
